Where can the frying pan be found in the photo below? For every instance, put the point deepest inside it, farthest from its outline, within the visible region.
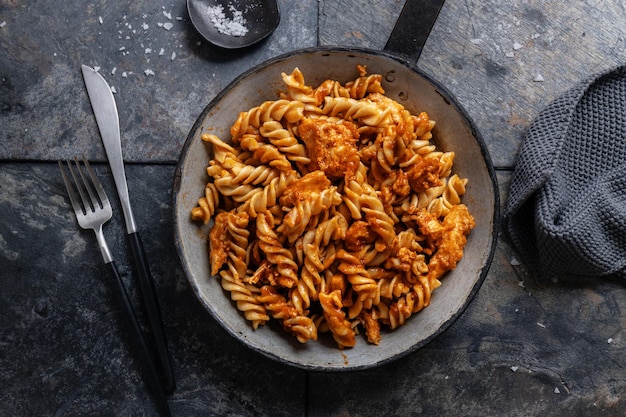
(454, 131)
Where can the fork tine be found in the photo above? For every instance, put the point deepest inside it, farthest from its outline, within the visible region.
(80, 186)
(104, 200)
(71, 192)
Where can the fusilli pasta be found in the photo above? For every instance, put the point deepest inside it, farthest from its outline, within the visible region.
(333, 211)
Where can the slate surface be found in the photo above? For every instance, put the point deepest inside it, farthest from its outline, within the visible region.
(520, 349)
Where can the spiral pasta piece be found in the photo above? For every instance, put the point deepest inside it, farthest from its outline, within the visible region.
(290, 110)
(276, 254)
(284, 141)
(207, 205)
(339, 326)
(244, 297)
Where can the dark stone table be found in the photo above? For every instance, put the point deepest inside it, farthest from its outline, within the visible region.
(521, 348)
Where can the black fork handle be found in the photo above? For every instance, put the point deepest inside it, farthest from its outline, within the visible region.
(150, 370)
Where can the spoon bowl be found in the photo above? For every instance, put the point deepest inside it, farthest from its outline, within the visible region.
(233, 24)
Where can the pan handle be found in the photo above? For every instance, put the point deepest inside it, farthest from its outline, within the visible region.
(413, 27)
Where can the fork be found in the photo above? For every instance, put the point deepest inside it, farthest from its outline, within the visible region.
(93, 209)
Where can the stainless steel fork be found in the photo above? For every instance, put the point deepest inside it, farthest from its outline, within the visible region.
(93, 209)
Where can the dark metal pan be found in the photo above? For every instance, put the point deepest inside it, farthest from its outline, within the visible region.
(416, 91)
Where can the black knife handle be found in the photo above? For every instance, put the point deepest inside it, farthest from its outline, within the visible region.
(145, 354)
(153, 310)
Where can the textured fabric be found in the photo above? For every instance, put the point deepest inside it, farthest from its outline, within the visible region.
(566, 212)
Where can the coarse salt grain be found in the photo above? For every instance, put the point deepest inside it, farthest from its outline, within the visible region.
(538, 78)
(148, 72)
(168, 26)
(235, 26)
(3, 24)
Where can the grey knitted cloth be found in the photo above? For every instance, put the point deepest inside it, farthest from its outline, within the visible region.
(566, 211)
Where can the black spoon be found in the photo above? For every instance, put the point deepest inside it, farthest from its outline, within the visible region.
(234, 24)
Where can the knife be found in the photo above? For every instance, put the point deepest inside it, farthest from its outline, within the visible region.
(105, 111)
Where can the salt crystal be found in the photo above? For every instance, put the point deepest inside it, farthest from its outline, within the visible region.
(168, 15)
(161, 52)
(160, 24)
(510, 54)
(168, 26)
(145, 26)
(100, 19)
(476, 41)
(514, 261)
(514, 368)
(124, 74)
(173, 55)
(148, 72)
(610, 340)
(521, 284)
(113, 70)
(179, 18)
(543, 326)
(3, 24)
(557, 391)
(113, 90)
(96, 69)
(235, 26)
(517, 46)
(123, 48)
(148, 50)
(538, 78)
(535, 35)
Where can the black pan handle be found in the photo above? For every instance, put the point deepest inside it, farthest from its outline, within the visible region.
(413, 27)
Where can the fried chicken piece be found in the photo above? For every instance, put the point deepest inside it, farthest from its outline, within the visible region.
(372, 327)
(424, 174)
(457, 224)
(218, 242)
(358, 235)
(331, 147)
(429, 226)
(312, 183)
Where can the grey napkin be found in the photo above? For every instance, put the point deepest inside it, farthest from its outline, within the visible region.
(566, 211)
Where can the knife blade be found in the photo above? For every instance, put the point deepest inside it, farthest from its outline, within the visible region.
(107, 119)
